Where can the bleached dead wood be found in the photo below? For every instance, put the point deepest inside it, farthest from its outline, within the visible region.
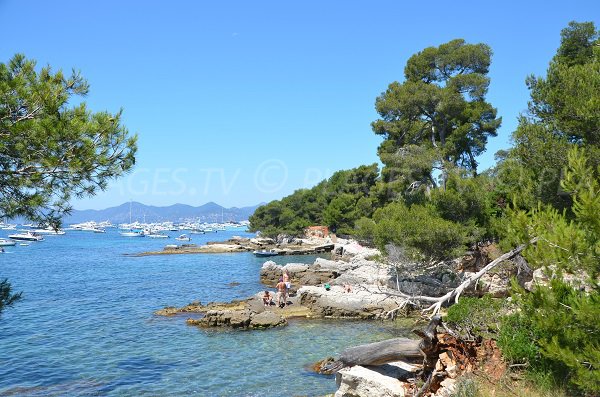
(397, 349)
(456, 292)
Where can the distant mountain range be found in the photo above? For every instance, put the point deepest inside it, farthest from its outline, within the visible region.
(209, 212)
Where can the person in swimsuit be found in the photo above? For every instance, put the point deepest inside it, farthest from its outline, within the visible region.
(267, 298)
(288, 284)
(281, 293)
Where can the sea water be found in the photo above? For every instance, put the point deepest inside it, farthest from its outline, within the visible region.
(85, 325)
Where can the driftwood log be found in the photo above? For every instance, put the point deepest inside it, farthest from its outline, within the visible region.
(397, 349)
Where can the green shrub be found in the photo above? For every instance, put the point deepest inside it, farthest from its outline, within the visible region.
(364, 228)
(475, 316)
(517, 340)
(420, 230)
(466, 387)
(556, 331)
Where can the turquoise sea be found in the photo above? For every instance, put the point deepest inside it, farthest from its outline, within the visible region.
(85, 326)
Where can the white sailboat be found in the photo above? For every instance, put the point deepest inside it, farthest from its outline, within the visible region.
(132, 233)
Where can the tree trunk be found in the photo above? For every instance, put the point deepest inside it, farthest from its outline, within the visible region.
(396, 349)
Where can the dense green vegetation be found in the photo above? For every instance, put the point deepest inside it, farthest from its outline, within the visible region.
(337, 202)
(430, 201)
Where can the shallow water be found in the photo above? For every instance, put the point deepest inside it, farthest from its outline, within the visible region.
(86, 326)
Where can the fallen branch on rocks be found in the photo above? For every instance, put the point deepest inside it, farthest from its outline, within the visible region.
(455, 293)
(396, 349)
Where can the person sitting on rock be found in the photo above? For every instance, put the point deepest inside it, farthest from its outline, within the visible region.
(267, 298)
(281, 293)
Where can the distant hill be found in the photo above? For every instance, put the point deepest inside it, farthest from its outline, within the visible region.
(209, 212)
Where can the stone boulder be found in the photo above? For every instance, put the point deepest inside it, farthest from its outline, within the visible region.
(368, 381)
(286, 239)
(497, 281)
(360, 271)
(542, 277)
(220, 318)
(300, 274)
(429, 285)
(262, 241)
(266, 319)
(338, 303)
(270, 273)
(241, 319)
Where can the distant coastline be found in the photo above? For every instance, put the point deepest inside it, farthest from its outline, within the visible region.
(209, 212)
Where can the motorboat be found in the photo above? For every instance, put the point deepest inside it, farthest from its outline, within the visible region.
(183, 237)
(266, 253)
(6, 242)
(27, 236)
(50, 231)
(157, 235)
(197, 231)
(132, 233)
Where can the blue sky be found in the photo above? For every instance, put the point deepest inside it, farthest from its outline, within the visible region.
(243, 102)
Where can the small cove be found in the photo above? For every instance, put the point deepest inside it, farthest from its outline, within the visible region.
(86, 324)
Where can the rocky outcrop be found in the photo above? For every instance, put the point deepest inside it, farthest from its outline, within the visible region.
(197, 307)
(266, 319)
(542, 277)
(287, 246)
(244, 319)
(360, 303)
(398, 378)
(383, 381)
(322, 271)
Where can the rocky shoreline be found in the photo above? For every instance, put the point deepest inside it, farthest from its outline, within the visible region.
(353, 284)
(241, 244)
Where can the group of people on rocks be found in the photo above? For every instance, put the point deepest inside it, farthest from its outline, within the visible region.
(283, 291)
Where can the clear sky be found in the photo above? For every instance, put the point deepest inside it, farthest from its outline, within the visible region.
(241, 102)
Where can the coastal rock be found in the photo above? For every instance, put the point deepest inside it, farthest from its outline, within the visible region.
(286, 239)
(543, 276)
(382, 381)
(167, 311)
(266, 319)
(194, 307)
(365, 272)
(300, 274)
(242, 319)
(429, 285)
(366, 304)
(262, 241)
(219, 318)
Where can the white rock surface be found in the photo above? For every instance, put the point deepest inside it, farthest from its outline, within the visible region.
(380, 381)
(338, 303)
